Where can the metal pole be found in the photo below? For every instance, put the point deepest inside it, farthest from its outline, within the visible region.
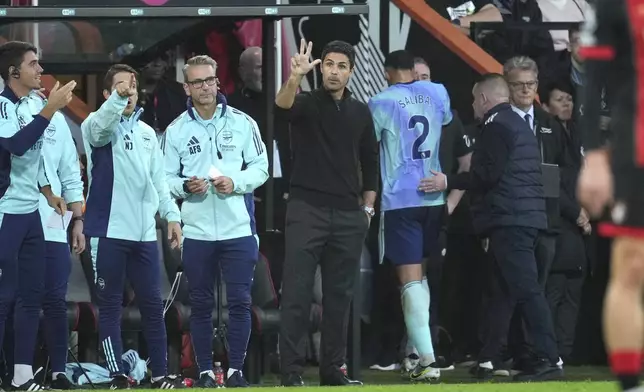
(269, 88)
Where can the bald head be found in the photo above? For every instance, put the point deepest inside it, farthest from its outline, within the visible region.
(250, 68)
(490, 91)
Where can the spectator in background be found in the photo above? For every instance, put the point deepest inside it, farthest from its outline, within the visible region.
(249, 99)
(562, 11)
(575, 71)
(162, 97)
(566, 279)
(461, 13)
(421, 69)
(507, 43)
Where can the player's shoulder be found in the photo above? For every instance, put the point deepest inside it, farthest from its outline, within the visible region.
(178, 123)
(7, 106)
(240, 119)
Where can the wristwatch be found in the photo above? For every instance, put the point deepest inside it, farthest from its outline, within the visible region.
(78, 218)
(369, 210)
(456, 22)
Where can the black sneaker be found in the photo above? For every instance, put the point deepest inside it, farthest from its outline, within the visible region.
(442, 364)
(120, 382)
(205, 381)
(481, 373)
(541, 371)
(62, 382)
(292, 380)
(236, 380)
(30, 385)
(168, 382)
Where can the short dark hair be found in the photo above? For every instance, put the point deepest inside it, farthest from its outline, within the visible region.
(489, 77)
(114, 69)
(341, 47)
(420, 60)
(400, 59)
(12, 54)
(561, 85)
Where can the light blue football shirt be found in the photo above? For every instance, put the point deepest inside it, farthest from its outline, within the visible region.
(408, 120)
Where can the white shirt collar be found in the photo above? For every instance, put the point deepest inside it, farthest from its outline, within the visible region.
(522, 114)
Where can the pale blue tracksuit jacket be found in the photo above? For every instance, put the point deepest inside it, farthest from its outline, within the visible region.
(22, 170)
(231, 142)
(126, 179)
(61, 163)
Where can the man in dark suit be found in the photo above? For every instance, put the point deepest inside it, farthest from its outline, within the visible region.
(508, 210)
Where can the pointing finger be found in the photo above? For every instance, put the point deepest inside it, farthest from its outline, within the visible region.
(302, 46)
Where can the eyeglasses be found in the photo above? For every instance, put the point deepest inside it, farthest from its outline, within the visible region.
(198, 83)
(521, 85)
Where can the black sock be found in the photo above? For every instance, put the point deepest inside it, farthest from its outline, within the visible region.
(628, 381)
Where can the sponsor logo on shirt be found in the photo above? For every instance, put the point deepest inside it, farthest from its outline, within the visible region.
(193, 146)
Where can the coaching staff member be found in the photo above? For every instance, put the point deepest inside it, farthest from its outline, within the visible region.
(508, 208)
(327, 217)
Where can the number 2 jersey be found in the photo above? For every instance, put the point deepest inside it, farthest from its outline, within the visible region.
(408, 120)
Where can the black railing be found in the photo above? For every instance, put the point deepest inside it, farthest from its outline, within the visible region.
(477, 28)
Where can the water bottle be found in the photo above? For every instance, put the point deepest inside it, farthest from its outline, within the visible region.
(219, 376)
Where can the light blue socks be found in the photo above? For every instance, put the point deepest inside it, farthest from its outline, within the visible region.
(415, 304)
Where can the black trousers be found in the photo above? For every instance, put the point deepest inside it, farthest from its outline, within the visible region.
(333, 239)
(520, 341)
(565, 287)
(514, 283)
(462, 288)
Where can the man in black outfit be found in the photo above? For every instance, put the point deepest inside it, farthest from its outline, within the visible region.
(328, 211)
(508, 209)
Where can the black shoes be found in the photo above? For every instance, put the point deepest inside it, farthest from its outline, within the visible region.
(337, 378)
(168, 382)
(120, 382)
(236, 380)
(540, 371)
(63, 383)
(30, 386)
(292, 380)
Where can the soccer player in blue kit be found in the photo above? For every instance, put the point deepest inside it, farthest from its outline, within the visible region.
(214, 159)
(408, 117)
(126, 189)
(22, 179)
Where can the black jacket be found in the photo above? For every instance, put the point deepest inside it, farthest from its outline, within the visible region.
(334, 147)
(505, 177)
(575, 152)
(551, 137)
(252, 103)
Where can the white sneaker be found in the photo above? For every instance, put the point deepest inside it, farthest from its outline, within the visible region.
(385, 368)
(425, 373)
(560, 363)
